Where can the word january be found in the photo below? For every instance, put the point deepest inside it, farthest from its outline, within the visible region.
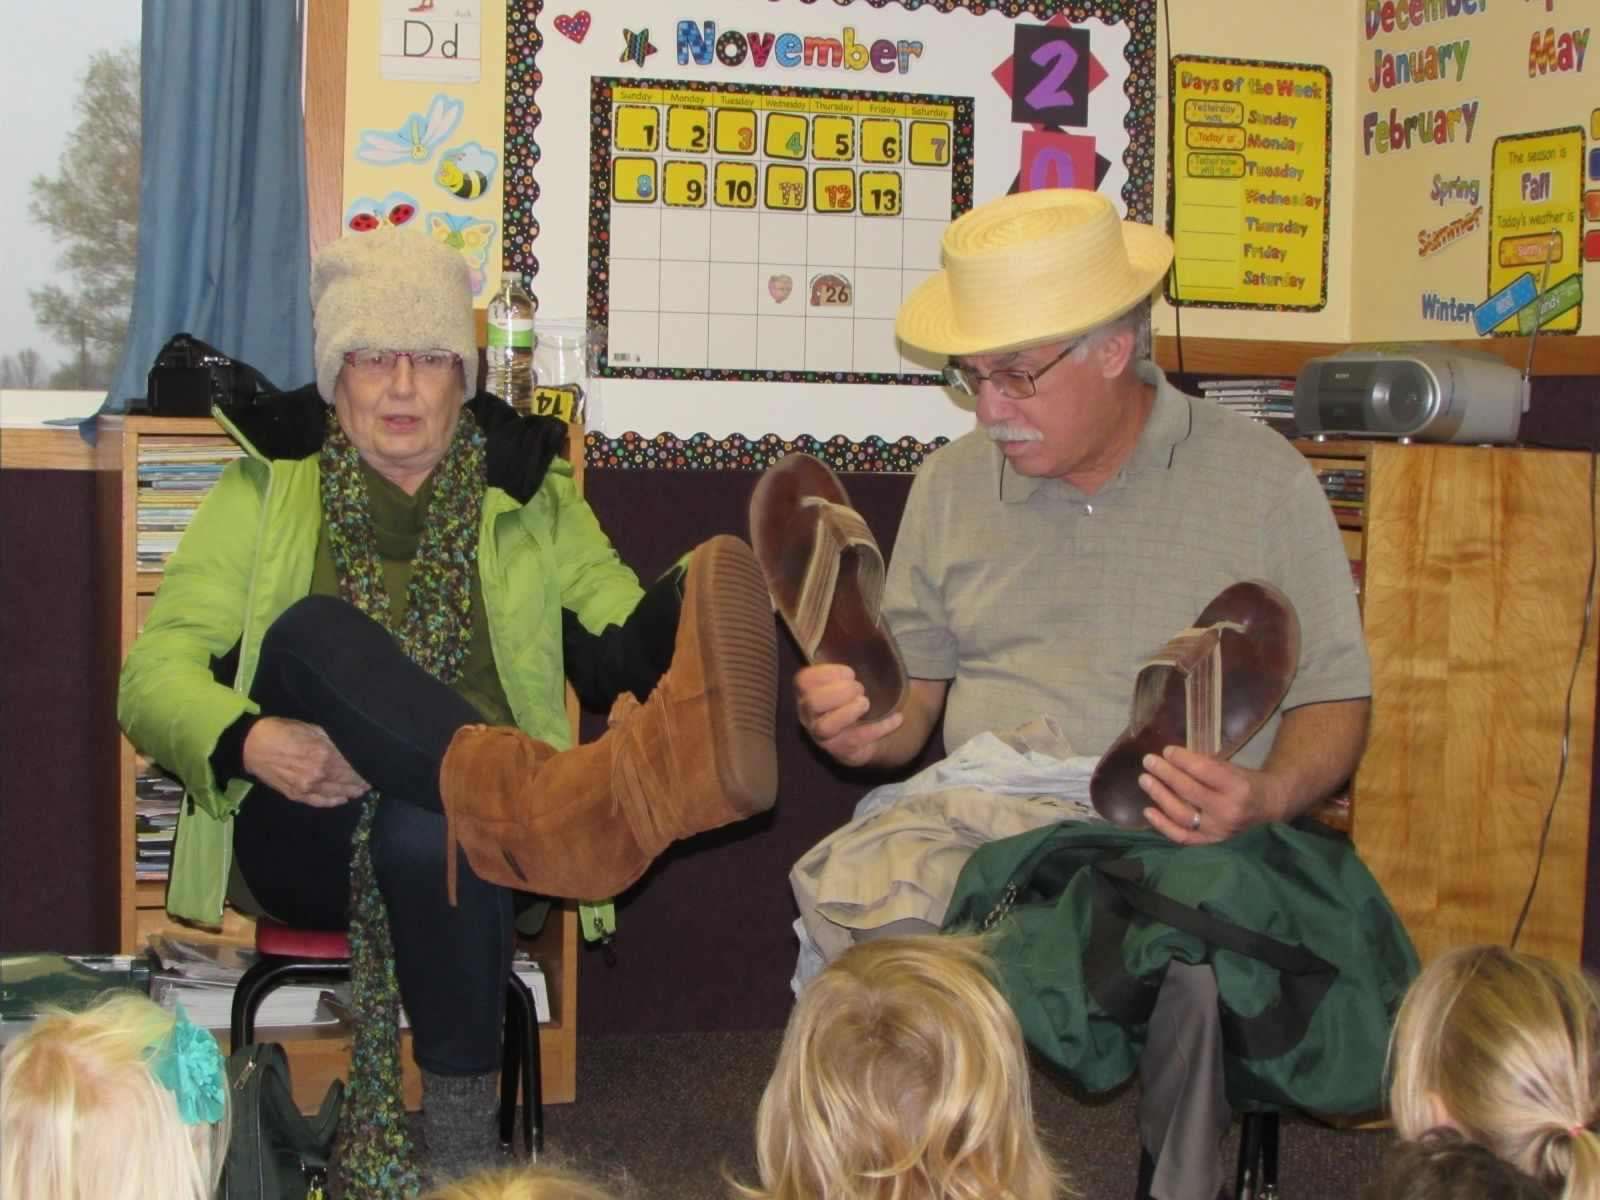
(1419, 66)
(701, 43)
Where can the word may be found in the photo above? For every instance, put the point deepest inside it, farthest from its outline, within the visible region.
(1445, 308)
(1547, 52)
(1453, 189)
(1434, 125)
(701, 43)
(1418, 66)
(1431, 241)
(1386, 16)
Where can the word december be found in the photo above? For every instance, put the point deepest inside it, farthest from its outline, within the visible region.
(701, 43)
(1432, 126)
(1387, 16)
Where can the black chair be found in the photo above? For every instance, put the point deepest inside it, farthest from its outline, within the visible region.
(289, 955)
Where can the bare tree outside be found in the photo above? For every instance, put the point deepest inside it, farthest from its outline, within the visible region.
(91, 209)
(22, 369)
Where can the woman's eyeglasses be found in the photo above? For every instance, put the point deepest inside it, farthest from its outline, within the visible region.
(381, 362)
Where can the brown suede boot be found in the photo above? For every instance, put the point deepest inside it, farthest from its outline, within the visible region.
(699, 753)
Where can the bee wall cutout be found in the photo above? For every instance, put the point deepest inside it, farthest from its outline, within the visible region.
(466, 170)
(416, 139)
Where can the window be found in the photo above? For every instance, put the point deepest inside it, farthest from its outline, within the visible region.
(68, 205)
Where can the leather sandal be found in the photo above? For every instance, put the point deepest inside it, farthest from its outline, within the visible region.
(1210, 689)
(825, 574)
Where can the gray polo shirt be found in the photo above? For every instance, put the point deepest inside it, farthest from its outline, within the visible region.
(1034, 599)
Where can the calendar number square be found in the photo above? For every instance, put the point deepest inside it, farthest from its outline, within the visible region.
(1050, 75)
(930, 143)
(833, 139)
(633, 180)
(786, 136)
(881, 195)
(735, 131)
(637, 127)
(685, 184)
(833, 190)
(785, 187)
(736, 185)
(688, 130)
(880, 140)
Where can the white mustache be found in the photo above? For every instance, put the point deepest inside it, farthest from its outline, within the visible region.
(1003, 432)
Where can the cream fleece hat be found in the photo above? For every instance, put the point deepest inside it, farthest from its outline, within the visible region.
(1032, 268)
(390, 289)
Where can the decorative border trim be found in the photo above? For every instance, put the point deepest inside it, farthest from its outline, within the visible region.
(702, 452)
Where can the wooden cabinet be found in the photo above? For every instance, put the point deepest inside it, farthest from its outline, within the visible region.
(126, 589)
(1477, 601)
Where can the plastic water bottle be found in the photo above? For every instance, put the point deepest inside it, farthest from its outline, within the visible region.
(511, 342)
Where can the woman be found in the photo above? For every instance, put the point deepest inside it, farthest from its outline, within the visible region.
(902, 1076)
(1504, 1049)
(385, 595)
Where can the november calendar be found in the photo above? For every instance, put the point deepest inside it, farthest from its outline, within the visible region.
(767, 229)
(734, 198)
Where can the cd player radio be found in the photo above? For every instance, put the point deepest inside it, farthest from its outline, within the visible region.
(1431, 393)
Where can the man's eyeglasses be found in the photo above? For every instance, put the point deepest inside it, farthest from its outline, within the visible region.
(432, 363)
(1013, 383)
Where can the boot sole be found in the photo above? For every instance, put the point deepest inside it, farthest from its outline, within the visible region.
(740, 645)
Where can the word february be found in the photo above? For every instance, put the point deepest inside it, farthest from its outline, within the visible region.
(1432, 126)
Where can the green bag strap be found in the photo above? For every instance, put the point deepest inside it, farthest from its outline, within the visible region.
(598, 921)
(1121, 895)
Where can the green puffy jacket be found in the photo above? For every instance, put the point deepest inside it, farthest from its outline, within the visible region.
(542, 561)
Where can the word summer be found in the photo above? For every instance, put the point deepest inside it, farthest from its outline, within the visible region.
(1432, 126)
(701, 43)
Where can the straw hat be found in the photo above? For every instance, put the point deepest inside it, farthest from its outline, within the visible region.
(1032, 268)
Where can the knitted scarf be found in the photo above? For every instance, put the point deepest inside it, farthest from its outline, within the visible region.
(378, 1160)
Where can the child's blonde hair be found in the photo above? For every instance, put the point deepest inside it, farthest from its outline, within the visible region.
(522, 1183)
(82, 1116)
(902, 1076)
(1505, 1048)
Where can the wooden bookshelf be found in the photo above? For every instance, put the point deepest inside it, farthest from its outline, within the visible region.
(1475, 563)
(123, 599)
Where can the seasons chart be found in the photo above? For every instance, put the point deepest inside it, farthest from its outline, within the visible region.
(767, 232)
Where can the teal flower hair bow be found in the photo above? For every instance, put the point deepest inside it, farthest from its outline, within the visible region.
(189, 1064)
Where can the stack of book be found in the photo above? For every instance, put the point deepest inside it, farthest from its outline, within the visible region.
(156, 797)
(1346, 489)
(202, 976)
(175, 473)
(1270, 401)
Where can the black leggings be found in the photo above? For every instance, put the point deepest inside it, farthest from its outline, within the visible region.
(325, 663)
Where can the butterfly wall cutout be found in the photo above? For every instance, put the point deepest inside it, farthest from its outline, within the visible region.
(471, 236)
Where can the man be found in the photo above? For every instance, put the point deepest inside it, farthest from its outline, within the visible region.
(1045, 555)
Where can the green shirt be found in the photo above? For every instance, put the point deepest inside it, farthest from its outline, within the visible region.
(397, 520)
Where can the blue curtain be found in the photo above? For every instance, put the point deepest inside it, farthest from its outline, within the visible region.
(223, 241)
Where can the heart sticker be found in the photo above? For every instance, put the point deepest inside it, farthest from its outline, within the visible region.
(779, 287)
(575, 27)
